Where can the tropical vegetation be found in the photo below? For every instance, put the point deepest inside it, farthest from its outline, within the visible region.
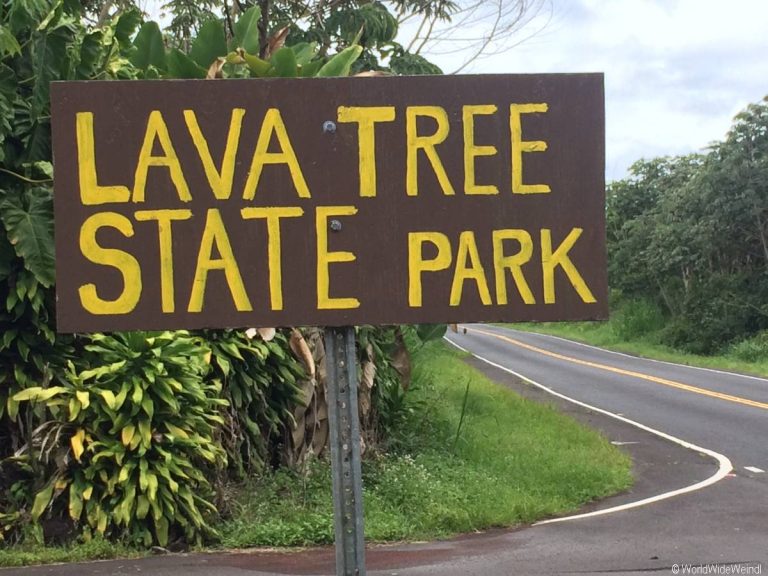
(133, 436)
(688, 244)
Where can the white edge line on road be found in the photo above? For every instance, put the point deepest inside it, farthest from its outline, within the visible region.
(754, 469)
(634, 357)
(724, 464)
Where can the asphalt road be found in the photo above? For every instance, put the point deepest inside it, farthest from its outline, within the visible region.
(729, 426)
(718, 525)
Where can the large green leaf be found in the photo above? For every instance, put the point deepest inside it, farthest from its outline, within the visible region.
(42, 499)
(8, 43)
(75, 502)
(284, 62)
(182, 66)
(247, 30)
(257, 66)
(309, 70)
(7, 255)
(30, 231)
(37, 142)
(209, 44)
(150, 50)
(51, 57)
(341, 63)
(39, 394)
(24, 14)
(161, 530)
(7, 96)
(8, 83)
(126, 25)
(428, 332)
(305, 52)
(91, 51)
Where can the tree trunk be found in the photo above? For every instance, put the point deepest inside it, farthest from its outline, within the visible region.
(665, 298)
(763, 239)
(264, 28)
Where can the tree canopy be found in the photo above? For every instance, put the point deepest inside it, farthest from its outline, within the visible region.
(692, 233)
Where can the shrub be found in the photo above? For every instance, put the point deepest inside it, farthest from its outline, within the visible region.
(637, 318)
(754, 349)
(140, 430)
(716, 311)
(259, 379)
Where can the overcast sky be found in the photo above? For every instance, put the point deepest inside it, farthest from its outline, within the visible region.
(676, 71)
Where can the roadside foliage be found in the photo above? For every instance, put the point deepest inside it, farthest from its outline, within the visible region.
(133, 435)
(688, 238)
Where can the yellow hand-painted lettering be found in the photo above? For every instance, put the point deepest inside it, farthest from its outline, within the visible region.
(164, 219)
(221, 179)
(273, 124)
(520, 146)
(157, 131)
(416, 142)
(325, 258)
(126, 264)
(216, 234)
(366, 117)
(418, 265)
(472, 151)
(551, 260)
(513, 263)
(274, 246)
(467, 252)
(90, 191)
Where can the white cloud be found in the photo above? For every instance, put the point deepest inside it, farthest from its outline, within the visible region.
(676, 71)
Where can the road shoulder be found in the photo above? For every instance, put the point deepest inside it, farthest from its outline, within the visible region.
(658, 465)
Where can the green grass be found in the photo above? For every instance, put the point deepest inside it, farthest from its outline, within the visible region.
(610, 335)
(25, 555)
(511, 461)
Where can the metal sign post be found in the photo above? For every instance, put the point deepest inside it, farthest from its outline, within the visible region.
(341, 377)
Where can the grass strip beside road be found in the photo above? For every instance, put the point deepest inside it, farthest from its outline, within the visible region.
(96, 549)
(460, 462)
(606, 335)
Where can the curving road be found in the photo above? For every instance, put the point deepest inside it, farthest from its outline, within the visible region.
(725, 412)
(700, 509)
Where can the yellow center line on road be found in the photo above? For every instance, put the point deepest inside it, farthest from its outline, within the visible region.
(631, 373)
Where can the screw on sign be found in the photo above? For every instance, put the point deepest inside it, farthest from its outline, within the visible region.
(444, 199)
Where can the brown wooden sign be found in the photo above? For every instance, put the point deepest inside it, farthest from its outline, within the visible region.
(231, 203)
